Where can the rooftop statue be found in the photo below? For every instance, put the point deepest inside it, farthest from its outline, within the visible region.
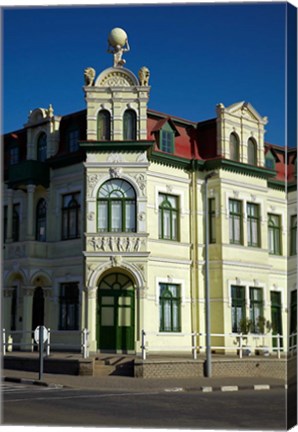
(117, 45)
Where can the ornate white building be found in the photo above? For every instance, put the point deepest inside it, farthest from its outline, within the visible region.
(104, 222)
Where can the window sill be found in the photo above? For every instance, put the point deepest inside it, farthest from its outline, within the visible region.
(170, 334)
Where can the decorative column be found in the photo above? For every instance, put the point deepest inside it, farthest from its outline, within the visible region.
(47, 294)
(9, 215)
(30, 212)
(6, 308)
(91, 318)
(27, 317)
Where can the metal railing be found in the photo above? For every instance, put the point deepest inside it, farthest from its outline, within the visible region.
(238, 346)
(9, 341)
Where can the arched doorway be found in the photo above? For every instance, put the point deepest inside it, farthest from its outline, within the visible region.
(38, 308)
(115, 313)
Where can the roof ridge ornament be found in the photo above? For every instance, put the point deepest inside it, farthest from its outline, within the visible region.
(117, 45)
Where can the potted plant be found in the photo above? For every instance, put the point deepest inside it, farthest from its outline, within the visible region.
(244, 328)
(263, 326)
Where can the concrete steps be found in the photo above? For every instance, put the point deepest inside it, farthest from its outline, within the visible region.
(113, 365)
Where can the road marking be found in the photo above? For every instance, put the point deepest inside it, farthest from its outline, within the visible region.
(207, 389)
(174, 389)
(261, 387)
(88, 396)
(229, 388)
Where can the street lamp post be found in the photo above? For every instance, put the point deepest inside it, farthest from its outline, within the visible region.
(207, 287)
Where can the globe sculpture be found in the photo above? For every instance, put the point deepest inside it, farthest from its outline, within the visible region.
(117, 36)
(117, 45)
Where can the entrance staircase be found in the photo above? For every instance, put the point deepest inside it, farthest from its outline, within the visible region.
(112, 364)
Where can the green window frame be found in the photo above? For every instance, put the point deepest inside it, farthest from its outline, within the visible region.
(116, 207)
(253, 225)
(41, 148)
(252, 151)
(71, 210)
(293, 319)
(238, 306)
(234, 147)
(168, 211)
(73, 140)
(104, 125)
(69, 306)
(212, 226)
(169, 308)
(256, 307)
(167, 139)
(41, 220)
(274, 234)
(235, 222)
(129, 125)
(293, 235)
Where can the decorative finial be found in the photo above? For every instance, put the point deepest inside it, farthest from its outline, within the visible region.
(89, 75)
(117, 45)
(144, 75)
(50, 111)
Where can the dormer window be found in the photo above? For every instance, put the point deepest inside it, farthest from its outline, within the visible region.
(270, 161)
(73, 140)
(14, 155)
(234, 147)
(129, 125)
(104, 126)
(41, 150)
(252, 151)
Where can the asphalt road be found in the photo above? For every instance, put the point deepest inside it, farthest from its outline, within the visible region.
(32, 405)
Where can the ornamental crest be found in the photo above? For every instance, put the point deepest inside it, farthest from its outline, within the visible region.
(116, 79)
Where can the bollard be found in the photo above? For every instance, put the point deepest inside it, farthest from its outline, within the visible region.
(143, 345)
(278, 346)
(4, 342)
(48, 342)
(194, 346)
(41, 345)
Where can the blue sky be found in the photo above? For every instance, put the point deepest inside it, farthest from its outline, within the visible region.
(198, 55)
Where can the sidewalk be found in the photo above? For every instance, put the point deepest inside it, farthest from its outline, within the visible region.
(131, 384)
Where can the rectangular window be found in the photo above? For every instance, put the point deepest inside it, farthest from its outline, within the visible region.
(253, 225)
(238, 307)
(212, 236)
(293, 234)
(167, 141)
(69, 306)
(168, 217)
(235, 219)
(14, 155)
(293, 320)
(256, 307)
(169, 308)
(71, 216)
(16, 223)
(274, 234)
(73, 140)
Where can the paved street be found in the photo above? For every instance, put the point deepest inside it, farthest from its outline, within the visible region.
(25, 404)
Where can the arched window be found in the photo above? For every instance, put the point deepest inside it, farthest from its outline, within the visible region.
(71, 216)
(104, 126)
(41, 151)
(129, 125)
(41, 220)
(116, 207)
(234, 147)
(252, 151)
(168, 211)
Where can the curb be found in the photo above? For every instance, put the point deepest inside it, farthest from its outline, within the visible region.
(32, 382)
(203, 389)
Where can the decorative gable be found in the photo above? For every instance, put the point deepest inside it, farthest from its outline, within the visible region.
(116, 77)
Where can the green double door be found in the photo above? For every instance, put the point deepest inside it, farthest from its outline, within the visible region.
(115, 313)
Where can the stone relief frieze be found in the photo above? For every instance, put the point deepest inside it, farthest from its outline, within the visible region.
(116, 244)
(115, 172)
(92, 180)
(141, 182)
(115, 158)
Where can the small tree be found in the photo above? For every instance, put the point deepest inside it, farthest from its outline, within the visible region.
(264, 326)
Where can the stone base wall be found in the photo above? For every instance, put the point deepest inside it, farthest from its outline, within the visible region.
(220, 368)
